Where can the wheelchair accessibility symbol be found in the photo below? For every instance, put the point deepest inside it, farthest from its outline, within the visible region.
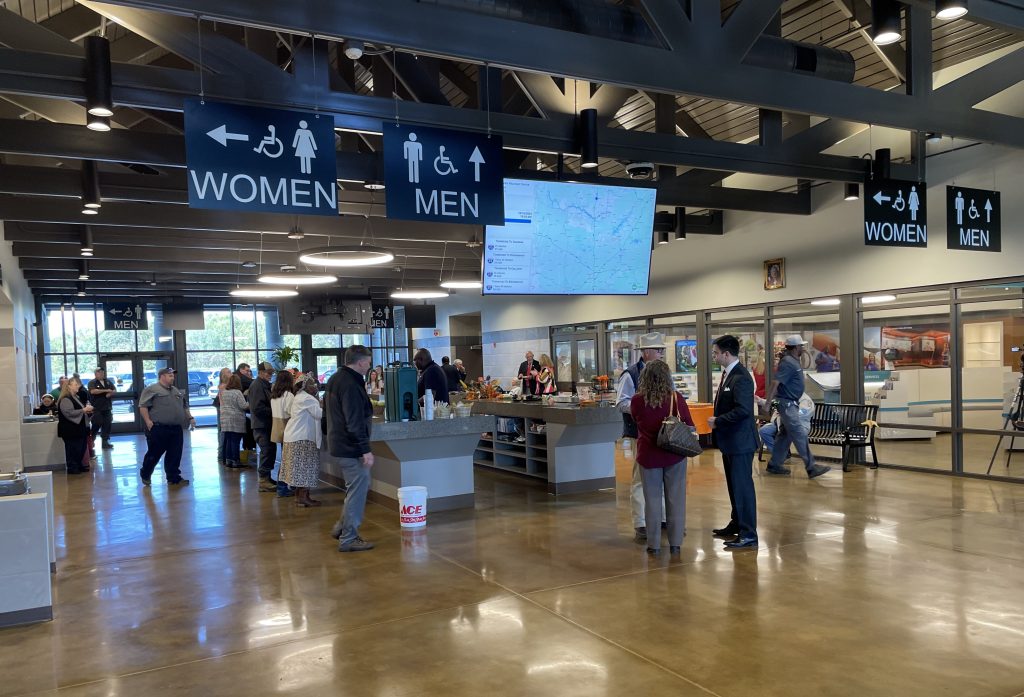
(442, 161)
(271, 145)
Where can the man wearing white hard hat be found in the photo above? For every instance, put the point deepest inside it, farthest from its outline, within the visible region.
(651, 347)
(787, 390)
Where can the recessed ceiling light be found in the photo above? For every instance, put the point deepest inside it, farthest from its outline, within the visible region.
(296, 233)
(374, 185)
(875, 299)
(418, 294)
(248, 264)
(826, 302)
(362, 255)
(257, 292)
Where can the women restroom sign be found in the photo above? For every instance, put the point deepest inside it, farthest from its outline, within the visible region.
(895, 213)
(244, 158)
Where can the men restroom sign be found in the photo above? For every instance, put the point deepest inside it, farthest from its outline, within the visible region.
(973, 219)
(443, 176)
(244, 158)
(895, 213)
(126, 315)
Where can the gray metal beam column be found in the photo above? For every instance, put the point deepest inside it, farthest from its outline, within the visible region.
(956, 352)
(703, 357)
(851, 388)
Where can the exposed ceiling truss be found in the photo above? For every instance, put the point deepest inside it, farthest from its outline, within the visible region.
(458, 64)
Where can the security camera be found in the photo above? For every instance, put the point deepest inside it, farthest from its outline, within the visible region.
(639, 170)
(353, 48)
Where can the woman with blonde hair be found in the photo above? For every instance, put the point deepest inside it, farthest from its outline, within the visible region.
(546, 376)
(222, 382)
(300, 464)
(662, 473)
(73, 425)
(232, 419)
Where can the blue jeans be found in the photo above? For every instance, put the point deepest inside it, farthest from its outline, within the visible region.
(768, 433)
(793, 431)
(357, 479)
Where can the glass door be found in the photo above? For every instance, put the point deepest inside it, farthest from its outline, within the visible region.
(327, 363)
(131, 373)
(576, 360)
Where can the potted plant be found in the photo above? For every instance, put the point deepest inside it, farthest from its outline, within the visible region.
(282, 356)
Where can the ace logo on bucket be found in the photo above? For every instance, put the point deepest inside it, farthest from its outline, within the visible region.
(412, 506)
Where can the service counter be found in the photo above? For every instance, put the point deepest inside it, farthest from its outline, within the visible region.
(435, 454)
(41, 449)
(572, 448)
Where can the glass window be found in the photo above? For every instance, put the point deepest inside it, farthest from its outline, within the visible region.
(752, 351)
(244, 318)
(326, 341)
(992, 334)
(54, 369)
(821, 357)
(911, 386)
(622, 351)
(999, 290)
(53, 336)
(216, 336)
(682, 356)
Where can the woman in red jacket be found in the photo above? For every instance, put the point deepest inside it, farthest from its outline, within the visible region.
(661, 472)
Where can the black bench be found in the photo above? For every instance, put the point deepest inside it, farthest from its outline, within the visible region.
(845, 426)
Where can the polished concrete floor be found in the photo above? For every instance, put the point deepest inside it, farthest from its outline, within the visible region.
(873, 583)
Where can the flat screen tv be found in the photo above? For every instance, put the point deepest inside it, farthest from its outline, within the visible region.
(570, 239)
(420, 316)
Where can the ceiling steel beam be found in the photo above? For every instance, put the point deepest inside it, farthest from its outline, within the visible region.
(144, 86)
(440, 31)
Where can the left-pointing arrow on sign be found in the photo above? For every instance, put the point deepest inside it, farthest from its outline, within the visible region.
(222, 135)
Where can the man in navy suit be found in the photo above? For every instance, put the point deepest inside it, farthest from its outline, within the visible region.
(735, 435)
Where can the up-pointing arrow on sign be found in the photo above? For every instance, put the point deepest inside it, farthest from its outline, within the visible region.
(988, 210)
(477, 159)
(879, 198)
(222, 135)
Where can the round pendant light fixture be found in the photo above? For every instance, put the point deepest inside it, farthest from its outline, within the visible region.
(360, 255)
(289, 276)
(461, 283)
(886, 24)
(418, 294)
(262, 292)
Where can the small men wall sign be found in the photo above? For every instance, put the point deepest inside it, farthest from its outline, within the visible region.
(973, 220)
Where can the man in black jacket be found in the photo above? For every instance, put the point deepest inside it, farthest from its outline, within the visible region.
(349, 417)
(262, 421)
(527, 376)
(431, 377)
(735, 434)
(452, 373)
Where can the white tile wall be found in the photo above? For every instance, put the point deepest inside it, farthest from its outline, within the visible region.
(502, 359)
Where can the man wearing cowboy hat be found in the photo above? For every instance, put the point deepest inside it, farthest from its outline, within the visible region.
(651, 347)
(787, 390)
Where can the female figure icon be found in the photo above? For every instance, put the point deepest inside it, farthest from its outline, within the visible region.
(305, 147)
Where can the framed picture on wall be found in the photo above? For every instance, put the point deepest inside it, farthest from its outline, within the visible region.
(774, 274)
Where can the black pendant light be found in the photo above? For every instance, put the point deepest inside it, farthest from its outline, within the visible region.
(91, 199)
(588, 138)
(950, 9)
(886, 27)
(852, 191)
(86, 250)
(98, 99)
(680, 223)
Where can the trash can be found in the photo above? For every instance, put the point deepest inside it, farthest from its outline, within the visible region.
(412, 506)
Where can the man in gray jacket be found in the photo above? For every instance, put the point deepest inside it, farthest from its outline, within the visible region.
(262, 421)
(349, 421)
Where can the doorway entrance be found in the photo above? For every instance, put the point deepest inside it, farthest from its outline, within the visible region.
(575, 359)
(131, 373)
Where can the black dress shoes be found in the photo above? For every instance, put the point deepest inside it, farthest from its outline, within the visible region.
(725, 532)
(742, 543)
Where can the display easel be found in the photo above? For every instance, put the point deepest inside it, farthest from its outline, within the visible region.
(1013, 415)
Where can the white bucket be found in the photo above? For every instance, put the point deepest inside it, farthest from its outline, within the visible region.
(412, 506)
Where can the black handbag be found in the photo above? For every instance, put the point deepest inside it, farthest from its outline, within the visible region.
(676, 436)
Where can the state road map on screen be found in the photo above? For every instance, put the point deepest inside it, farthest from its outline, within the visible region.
(570, 239)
